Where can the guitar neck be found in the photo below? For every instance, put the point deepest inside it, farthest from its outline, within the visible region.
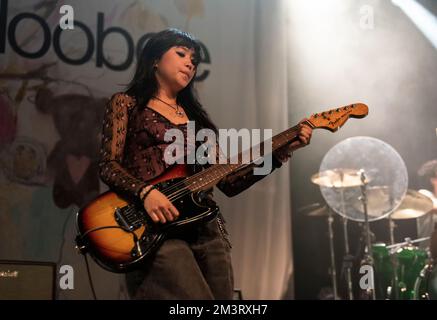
(330, 120)
(216, 172)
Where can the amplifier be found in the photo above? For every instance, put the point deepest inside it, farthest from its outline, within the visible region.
(27, 280)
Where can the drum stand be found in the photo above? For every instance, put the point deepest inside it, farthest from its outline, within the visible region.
(348, 259)
(394, 289)
(332, 253)
(368, 254)
(392, 227)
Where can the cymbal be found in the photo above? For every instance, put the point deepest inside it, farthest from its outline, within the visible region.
(378, 201)
(320, 212)
(315, 210)
(338, 178)
(430, 195)
(414, 205)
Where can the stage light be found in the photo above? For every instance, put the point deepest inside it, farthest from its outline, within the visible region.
(425, 21)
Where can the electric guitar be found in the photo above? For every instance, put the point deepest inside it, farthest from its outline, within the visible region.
(119, 234)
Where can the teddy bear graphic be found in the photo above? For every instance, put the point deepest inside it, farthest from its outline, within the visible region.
(73, 162)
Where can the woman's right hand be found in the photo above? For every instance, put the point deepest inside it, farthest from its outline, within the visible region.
(159, 207)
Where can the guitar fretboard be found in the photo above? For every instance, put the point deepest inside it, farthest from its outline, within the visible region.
(212, 175)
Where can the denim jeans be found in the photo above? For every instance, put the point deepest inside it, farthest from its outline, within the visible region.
(195, 264)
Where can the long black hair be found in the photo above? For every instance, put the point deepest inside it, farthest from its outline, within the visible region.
(144, 84)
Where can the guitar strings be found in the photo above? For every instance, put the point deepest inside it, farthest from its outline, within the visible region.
(186, 182)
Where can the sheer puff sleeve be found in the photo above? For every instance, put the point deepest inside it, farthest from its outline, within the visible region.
(115, 127)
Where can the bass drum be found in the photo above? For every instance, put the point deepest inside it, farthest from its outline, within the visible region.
(383, 270)
(396, 272)
(425, 287)
(410, 262)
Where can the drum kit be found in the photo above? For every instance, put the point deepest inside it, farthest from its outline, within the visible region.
(401, 271)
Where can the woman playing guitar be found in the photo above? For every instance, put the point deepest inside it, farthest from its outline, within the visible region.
(194, 263)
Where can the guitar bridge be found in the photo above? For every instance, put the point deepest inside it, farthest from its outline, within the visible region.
(129, 218)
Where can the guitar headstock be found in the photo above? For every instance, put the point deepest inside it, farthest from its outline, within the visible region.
(333, 119)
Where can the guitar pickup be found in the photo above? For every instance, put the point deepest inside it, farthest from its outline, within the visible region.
(121, 220)
(127, 218)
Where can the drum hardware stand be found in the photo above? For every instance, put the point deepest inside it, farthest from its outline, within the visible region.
(392, 227)
(332, 253)
(407, 241)
(368, 254)
(394, 288)
(348, 259)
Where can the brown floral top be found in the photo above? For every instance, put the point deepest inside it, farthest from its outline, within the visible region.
(133, 149)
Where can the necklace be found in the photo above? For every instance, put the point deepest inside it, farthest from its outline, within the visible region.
(178, 112)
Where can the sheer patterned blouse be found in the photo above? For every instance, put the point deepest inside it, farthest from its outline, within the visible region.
(133, 147)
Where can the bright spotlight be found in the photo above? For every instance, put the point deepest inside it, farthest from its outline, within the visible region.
(425, 21)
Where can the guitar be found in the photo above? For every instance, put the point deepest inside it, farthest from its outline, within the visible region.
(119, 234)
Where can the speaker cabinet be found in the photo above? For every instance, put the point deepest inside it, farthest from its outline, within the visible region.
(27, 280)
